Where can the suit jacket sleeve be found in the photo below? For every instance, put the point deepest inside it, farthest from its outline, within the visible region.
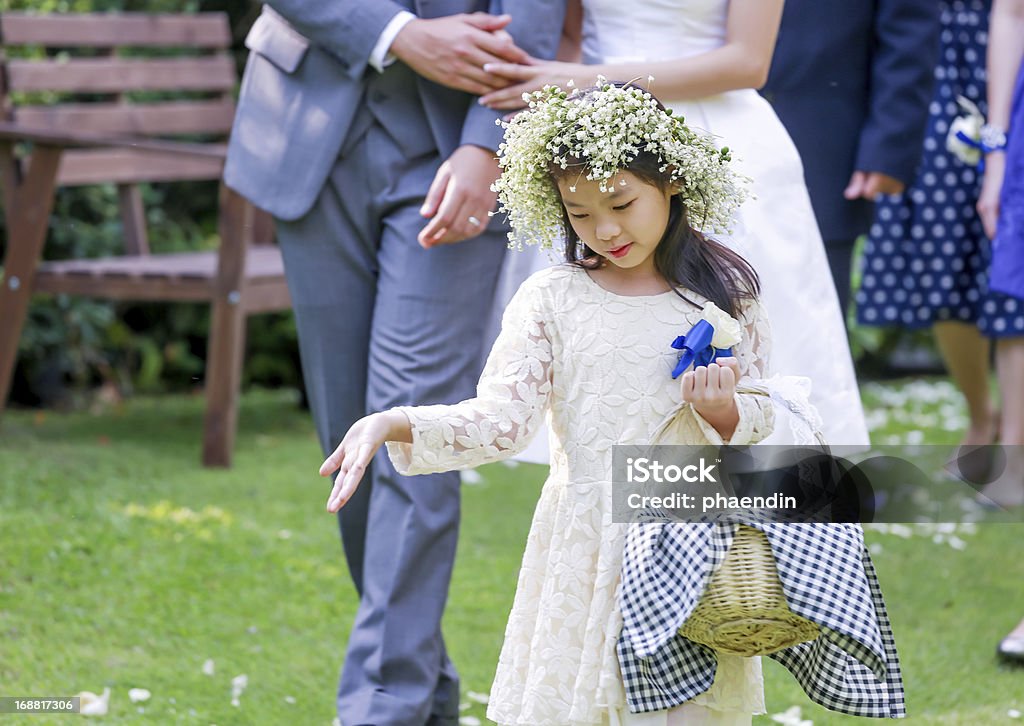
(537, 28)
(905, 47)
(347, 29)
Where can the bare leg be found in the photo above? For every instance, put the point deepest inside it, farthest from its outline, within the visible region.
(965, 352)
(1008, 489)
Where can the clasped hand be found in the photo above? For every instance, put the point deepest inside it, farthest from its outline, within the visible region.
(453, 50)
(711, 390)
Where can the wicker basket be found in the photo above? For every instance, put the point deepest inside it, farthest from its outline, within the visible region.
(743, 610)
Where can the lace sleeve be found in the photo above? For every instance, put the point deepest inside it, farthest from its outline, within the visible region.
(754, 350)
(509, 408)
(756, 411)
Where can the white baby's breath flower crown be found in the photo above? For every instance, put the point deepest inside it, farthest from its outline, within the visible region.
(607, 126)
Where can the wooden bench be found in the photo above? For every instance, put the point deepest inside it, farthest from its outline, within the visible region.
(95, 110)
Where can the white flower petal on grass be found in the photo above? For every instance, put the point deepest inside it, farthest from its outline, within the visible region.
(791, 717)
(1013, 713)
(464, 706)
(469, 721)
(478, 697)
(137, 695)
(284, 534)
(208, 667)
(92, 705)
(901, 530)
(238, 685)
(290, 700)
(471, 476)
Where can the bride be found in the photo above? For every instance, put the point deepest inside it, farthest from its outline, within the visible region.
(704, 58)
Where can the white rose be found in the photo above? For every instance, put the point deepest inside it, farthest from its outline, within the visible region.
(727, 329)
(970, 124)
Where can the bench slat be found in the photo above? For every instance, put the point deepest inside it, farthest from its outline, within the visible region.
(117, 75)
(263, 262)
(129, 166)
(152, 119)
(101, 30)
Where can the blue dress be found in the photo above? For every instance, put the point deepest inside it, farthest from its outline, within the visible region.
(1008, 246)
(927, 257)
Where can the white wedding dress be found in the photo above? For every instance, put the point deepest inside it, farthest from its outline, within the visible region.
(776, 231)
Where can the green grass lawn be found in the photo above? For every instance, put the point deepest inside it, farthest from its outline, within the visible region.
(124, 565)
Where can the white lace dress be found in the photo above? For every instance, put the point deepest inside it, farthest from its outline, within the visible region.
(597, 367)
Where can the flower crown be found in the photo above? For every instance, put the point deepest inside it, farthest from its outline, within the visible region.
(608, 126)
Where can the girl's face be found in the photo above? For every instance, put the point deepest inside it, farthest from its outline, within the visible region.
(624, 225)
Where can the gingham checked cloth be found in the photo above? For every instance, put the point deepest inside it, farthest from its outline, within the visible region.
(827, 577)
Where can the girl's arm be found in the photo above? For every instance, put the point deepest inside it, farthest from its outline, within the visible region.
(500, 421)
(742, 61)
(1005, 54)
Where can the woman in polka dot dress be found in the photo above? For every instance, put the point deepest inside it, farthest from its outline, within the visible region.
(927, 258)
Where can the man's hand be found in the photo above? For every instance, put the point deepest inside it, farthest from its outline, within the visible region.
(869, 184)
(452, 50)
(460, 197)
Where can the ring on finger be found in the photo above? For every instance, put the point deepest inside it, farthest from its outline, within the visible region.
(474, 221)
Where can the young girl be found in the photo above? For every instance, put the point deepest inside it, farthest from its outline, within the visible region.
(587, 345)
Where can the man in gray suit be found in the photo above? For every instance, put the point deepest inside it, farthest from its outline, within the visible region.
(356, 122)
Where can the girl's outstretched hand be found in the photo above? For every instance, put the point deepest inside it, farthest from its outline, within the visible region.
(710, 389)
(356, 451)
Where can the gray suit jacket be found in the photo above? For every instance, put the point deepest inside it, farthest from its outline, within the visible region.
(305, 78)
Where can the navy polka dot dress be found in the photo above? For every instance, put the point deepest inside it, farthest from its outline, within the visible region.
(927, 257)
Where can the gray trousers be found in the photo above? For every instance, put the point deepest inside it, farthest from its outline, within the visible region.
(383, 322)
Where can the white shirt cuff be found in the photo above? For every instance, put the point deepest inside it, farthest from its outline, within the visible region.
(380, 56)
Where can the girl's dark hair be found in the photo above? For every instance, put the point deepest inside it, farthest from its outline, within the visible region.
(684, 256)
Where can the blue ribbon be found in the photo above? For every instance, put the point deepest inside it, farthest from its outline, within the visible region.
(982, 147)
(697, 348)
